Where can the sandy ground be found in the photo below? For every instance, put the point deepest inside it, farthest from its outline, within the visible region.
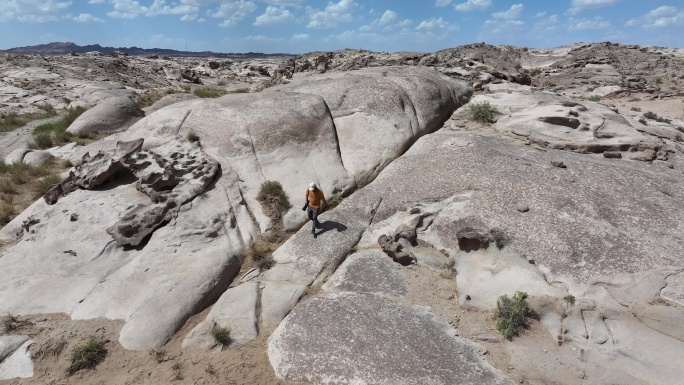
(56, 335)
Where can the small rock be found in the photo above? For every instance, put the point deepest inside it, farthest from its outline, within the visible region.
(612, 154)
(558, 163)
(523, 208)
(670, 165)
(73, 217)
(467, 297)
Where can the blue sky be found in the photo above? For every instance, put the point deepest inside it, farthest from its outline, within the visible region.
(298, 26)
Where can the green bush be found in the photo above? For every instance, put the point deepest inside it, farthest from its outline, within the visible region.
(192, 137)
(570, 299)
(10, 121)
(87, 356)
(499, 237)
(482, 112)
(653, 116)
(50, 134)
(221, 335)
(209, 92)
(274, 190)
(240, 91)
(512, 314)
(594, 98)
(41, 140)
(334, 201)
(221, 83)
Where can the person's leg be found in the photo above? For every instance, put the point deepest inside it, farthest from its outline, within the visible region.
(315, 220)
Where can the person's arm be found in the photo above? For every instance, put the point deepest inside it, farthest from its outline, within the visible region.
(307, 201)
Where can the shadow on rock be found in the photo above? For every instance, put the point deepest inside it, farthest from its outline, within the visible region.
(324, 227)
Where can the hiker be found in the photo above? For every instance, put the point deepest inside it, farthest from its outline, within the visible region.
(315, 203)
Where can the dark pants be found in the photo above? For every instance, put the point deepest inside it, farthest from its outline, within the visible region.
(312, 212)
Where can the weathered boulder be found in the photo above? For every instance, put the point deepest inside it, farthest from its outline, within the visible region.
(169, 100)
(37, 158)
(373, 341)
(110, 115)
(15, 358)
(368, 272)
(16, 156)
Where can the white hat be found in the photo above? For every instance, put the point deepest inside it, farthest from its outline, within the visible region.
(312, 186)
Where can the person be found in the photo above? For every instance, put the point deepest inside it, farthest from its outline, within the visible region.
(315, 204)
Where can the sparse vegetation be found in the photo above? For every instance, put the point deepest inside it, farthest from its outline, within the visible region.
(20, 184)
(50, 134)
(152, 96)
(192, 137)
(535, 72)
(221, 335)
(87, 356)
(680, 129)
(221, 83)
(10, 323)
(482, 112)
(570, 299)
(210, 369)
(240, 91)
(209, 92)
(594, 98)
(177, 371)
(160, 355)
(512, 314)
(260, 252)
(273, 191)
(653, 116)
(334, 201)
(10, 121)
(499, 237)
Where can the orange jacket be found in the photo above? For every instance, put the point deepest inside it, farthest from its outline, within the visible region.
(314, 198)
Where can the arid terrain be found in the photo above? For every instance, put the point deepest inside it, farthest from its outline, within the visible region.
(142, 216)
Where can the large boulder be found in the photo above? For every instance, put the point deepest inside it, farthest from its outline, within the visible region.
(365, 338)
(110, 115)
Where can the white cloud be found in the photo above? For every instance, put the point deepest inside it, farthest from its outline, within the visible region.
(388, 21)
(300, 37)
(442, 3)
(592, 23)
(130, 9)
(661, 17)
(499, 26)
(284, 2)
(577, 6)
(473, 5)
(233, 12)
(436, 25)
(540, 14)
(87, 18)
(95, 1)
(274, 16)
(546, 25)
(511, 14)
(32, 11)
(334, 13)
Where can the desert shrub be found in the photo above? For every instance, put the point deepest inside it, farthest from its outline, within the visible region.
(10, 323)
(50, 134)
(7, 186)
(594, 98)
(152, 96)
(482, 112)
(260, 252)
(160, 355)
(87, 356)
(650, 115)
(7, 212)
(221, 83)
(499, 237)
(210, 369)
(334, 201)
(48, 108)
(512, 314)
(221, 335)
(42, 185)
(643, 121)
(534, 72)
(636, 109)
(570, 299)
(192, 137)
(653, 116)
(10, 121)
(41, 140)
(177, 371)
(209, 92)
(680, 128)
(240, 91)
(274, 190)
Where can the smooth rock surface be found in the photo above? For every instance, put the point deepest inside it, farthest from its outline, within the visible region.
(110, 115)
(37, 158)
(17, 362)
(368, 272)
(373, 341)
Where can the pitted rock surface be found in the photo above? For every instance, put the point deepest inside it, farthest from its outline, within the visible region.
(170, 175)
(373, 340)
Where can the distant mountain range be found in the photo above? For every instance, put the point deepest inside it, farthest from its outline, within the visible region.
(65, 48)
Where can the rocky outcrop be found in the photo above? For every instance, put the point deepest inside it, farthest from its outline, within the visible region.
(110, 115)
(374, 341)
(170, 175)
(15, 358)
